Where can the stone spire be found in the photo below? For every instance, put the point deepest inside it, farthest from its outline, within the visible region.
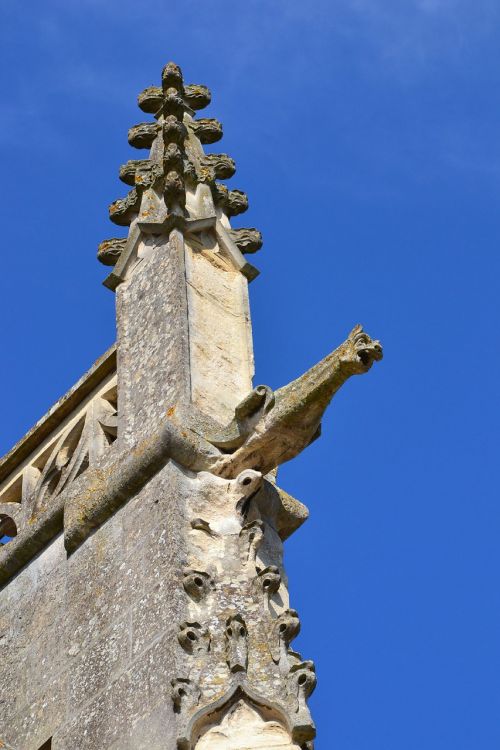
(178, 213)
(177, 186)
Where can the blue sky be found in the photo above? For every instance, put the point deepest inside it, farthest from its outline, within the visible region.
(367, 136)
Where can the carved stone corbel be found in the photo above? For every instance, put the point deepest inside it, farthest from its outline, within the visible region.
(285, 628)
(269, 581)
(185, 694)
(236, 644)
(193, 638)
(197, 584)
(251, 536)
(301, 683)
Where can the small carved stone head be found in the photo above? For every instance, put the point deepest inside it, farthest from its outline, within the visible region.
(197, 584)
(270, 579)
(193, 638)
(236, 644)
(185, 694)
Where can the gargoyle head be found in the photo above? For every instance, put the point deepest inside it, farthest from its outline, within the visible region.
(361, 351)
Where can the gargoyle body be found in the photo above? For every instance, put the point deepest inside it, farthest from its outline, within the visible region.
(286, 421)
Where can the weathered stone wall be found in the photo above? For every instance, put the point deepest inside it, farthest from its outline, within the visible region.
(168, 609)
(88, 643)
(153, 353)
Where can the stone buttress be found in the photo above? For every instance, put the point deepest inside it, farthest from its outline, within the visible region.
(144, 601)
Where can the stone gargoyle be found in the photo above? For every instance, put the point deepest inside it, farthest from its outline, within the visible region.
(270, 428)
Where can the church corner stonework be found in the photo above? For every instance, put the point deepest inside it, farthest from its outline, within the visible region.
(144, 601)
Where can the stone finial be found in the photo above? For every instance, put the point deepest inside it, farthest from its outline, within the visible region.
(166, 187)
(171, 78)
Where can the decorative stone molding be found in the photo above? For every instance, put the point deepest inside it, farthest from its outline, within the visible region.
(57, 461)
(211, 716)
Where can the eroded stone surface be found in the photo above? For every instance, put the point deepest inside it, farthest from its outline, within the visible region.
(243, 728)
(218, 312)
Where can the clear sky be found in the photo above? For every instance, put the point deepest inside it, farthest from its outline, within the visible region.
(367, 136)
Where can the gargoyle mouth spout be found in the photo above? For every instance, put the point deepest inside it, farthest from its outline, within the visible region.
(370, 353)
